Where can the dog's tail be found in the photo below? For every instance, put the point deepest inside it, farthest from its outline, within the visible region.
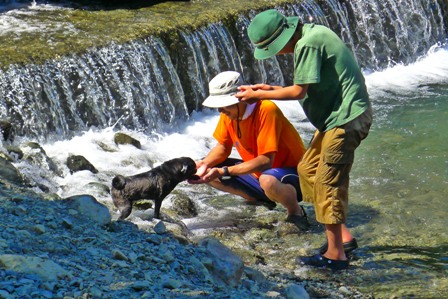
(119, 182)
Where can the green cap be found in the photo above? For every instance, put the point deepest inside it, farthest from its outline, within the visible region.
(270, 31)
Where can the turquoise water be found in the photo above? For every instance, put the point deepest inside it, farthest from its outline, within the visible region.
(398, 207)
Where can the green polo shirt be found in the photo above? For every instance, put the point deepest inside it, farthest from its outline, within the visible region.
(337, 92)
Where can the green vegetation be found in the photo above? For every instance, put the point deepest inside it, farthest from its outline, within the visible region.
(65, 31)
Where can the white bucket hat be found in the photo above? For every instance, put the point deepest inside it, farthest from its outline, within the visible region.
(222, 89)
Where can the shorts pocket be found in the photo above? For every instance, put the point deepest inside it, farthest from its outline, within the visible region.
(335, 169)
(338, 158)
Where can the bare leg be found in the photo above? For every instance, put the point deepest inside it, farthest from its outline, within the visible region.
(334, 236)
(346, 234)
(285, 194)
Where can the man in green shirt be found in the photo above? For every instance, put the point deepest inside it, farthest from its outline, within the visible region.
(335, 100)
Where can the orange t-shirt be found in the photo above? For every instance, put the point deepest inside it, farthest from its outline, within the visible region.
(266, 130)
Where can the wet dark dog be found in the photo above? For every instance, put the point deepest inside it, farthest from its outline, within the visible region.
(155, 184)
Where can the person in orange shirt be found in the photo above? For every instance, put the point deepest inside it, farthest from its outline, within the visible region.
(268, 144)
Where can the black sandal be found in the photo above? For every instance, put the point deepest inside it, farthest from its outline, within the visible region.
(348, 247)
(300, 221)
(320, 261)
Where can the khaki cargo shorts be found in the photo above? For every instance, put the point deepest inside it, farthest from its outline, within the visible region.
(325, 168)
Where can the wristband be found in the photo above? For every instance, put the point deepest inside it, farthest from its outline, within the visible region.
(226, 175)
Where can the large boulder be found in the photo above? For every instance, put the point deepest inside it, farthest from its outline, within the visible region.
(87, 206)
(225, 266)
(45, 268)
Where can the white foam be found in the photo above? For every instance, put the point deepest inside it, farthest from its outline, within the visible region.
(429, 69)
(24, 19)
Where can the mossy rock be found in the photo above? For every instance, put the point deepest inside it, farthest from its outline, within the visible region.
(121, 138)
(78, 163)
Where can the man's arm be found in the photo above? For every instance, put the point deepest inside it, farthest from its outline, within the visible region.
(258, 164)
(216, 155)
(253, 93)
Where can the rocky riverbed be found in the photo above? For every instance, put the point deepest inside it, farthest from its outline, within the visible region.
(73, 248)
(52, 247)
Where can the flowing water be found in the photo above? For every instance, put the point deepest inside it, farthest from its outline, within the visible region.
(399, 182)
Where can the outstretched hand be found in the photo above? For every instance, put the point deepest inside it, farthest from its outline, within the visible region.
(205, 175)
(201, 170)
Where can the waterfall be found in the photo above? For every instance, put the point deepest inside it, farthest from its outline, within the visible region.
(143, 85)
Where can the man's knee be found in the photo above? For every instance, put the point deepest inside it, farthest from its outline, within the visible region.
(267, 182)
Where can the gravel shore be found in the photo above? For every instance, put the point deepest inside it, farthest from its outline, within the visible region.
(73, 248)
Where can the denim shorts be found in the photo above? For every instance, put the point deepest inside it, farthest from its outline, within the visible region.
(250, 184)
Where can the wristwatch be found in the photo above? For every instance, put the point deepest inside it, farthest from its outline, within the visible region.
(226, 175)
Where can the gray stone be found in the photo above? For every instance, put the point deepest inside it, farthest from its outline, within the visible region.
(39, 229)
(90, 208)
(294, 291)
(46, 269)
(160, 228)
(254, 275)
(118, 255)
(67, 223)
(226, 267)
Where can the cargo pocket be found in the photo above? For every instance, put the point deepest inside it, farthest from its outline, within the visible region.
(336, 168)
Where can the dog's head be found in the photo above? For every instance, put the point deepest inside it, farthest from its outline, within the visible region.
(183, 167)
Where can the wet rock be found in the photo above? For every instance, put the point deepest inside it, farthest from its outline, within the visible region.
(184, 206)
(10, 173)
(19, 211)
(78, 163)
(14, 152)
(121, 138)
(39, 229)
(106, 147)
(36, 155)
(141, 285)
(95, 187)
(6, 130)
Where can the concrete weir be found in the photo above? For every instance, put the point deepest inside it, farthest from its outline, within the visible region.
(42, 31)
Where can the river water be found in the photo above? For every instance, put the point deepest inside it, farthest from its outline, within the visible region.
(399, 184)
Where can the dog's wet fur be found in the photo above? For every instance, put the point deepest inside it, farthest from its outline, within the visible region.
(155, 184)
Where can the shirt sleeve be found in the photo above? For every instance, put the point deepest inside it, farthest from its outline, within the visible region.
(307, 65)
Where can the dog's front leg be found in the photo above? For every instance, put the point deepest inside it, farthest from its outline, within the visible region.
(158, 205)
(125, 211)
